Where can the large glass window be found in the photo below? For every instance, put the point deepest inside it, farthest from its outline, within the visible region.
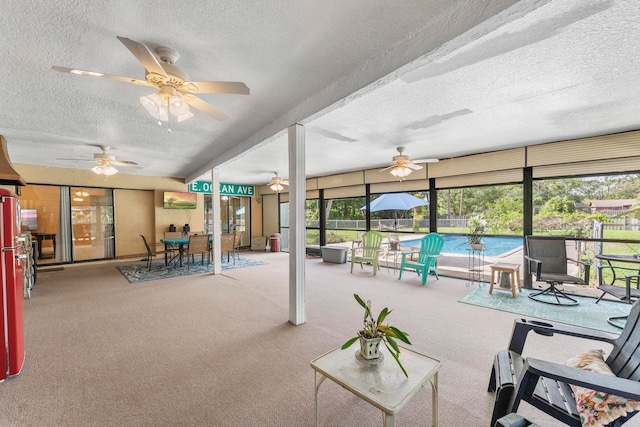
(312, 216)
(345, 219)
(415, 220)
(600, 207)
(499, 207)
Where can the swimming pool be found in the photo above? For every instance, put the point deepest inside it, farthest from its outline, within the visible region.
(457, 244)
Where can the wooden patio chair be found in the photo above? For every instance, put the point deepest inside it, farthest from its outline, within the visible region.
(566, 391)
(430, 251)
(369, 251)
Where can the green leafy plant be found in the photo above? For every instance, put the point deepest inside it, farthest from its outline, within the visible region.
(477, 229)
(374, 328)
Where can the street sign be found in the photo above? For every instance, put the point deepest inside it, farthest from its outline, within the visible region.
(225, 189)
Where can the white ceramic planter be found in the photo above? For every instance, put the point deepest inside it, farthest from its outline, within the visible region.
(369, 348)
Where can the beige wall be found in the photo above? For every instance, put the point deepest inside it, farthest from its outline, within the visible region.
(270, 214)
(137, 200)
(177, 217)
(134, 215)
(256, 216)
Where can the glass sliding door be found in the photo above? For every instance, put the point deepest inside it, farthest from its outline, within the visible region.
(92, 230)
(41, 204)
(69, 223)
(234, 216)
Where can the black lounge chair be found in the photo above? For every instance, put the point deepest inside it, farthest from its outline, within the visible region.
(546, 385)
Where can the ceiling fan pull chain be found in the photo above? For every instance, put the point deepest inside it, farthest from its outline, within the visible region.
(168, 119)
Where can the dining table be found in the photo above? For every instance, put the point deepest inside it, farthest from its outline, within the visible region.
(181, 243)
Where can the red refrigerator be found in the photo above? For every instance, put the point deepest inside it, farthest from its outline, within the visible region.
(12, 319)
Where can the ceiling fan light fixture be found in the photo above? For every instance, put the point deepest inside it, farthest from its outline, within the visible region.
(277, 187)
(184, 116)
(152, 103)
(400, 171)
(177, 106)
(104, 168)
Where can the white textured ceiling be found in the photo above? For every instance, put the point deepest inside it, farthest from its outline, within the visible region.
(442, 77)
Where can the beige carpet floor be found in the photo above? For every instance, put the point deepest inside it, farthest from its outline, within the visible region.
(219, 350)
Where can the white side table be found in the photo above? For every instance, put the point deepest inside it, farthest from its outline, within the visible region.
(382, 384)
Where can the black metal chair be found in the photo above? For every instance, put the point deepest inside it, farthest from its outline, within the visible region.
(626, 294)
(150, 254)
(547, 259)
(546, 385)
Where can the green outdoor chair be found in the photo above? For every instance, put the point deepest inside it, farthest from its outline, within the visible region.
(369, 251)
(430, 250)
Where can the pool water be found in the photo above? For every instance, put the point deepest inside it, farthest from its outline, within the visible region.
(456, 244)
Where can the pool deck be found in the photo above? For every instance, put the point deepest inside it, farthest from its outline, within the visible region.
(457, 265)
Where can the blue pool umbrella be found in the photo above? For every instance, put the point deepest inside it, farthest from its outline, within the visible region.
(396, 201)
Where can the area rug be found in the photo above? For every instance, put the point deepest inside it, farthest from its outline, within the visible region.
(587, 313)
(139, 272)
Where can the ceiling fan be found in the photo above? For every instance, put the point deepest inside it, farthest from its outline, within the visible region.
(276, 183)
(401, 165)
(106, 162)
(176, 92)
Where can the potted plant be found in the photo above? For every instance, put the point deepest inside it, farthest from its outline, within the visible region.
(374, 331)
(477, 226)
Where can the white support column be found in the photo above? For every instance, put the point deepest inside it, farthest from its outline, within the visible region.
(297, 225)
(215, 205)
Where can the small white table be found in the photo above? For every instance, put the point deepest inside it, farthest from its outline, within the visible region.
(382, 384)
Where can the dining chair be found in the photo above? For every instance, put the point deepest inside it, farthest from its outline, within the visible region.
(198, 245)
(236, 244)
(150, 254)
(227, 244)
(171, 252)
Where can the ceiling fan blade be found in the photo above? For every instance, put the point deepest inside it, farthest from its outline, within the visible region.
(237, 88)
(97, 74)
(144, 55)
(78, 160)
(126, 163)
(413, 166)
(284, 182)
(426, 161)
(388, 167)
(205, 107)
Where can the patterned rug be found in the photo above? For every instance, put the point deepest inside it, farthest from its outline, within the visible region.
(139, 272)
(587, 313)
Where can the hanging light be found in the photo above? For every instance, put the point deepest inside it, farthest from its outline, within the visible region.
(104, 168)
(276, 183)
(160, 104)
(400, 171)
(277, 187)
